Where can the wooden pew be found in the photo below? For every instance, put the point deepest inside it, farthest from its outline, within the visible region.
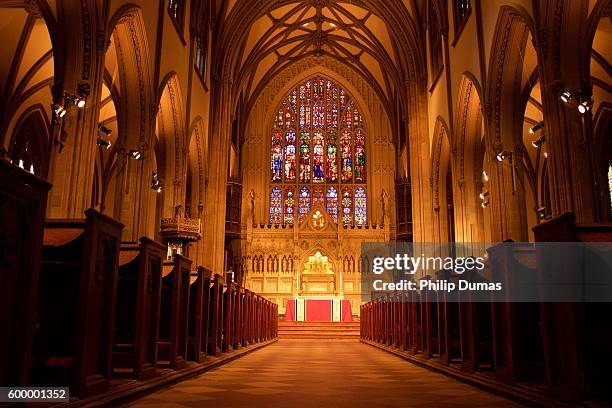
(199, 305)
(229, 316)
(76, 304)
(518, 354)
(215, 320)
(137, 311)
(23, 199)
(577, 336)
(174, 314)
(449, 332)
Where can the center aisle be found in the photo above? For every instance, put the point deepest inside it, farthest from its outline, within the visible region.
(321, 373)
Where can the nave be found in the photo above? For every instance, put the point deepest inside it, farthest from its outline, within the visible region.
(321, 373)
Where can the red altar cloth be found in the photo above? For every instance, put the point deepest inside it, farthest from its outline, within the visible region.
(318, 310)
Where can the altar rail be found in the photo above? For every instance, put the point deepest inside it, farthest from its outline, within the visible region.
(547, 353)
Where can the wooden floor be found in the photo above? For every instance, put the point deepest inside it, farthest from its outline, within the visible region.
(321, 373)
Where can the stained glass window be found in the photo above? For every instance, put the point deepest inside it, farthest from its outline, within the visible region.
(318, 152)
(360, 206)
(304, 202)
(347, 207)
(289, 206)
(276, 205)
(332, 203)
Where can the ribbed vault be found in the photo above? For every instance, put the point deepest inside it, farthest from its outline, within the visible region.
(377, 39)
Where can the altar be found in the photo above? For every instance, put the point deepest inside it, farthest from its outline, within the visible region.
(332, 309)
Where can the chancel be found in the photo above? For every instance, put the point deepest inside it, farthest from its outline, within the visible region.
(232, 202)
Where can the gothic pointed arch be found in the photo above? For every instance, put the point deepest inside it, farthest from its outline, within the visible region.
(318, 155)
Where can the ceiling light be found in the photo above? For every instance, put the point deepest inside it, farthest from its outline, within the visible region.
(305, 24)
(332, 24)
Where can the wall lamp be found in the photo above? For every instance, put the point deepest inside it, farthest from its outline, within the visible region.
(583, 101)
(536, 127)
(501, 156)
(539, 141)
(135, 154)
(156, 183)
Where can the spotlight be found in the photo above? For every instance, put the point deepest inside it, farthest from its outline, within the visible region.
(135, 154)
(485, 176)
(585, 105)
(155, 183)
(104, 129)
(484, 195)
(566, 96)
(59, 110)
(104, 143)
(31, 169)
(546, 155)
(501, 156)
(332, 25)
(536, 127)
(79, 102)
(21, 164)
(484, 204)
(305, 25)
(538, 142)
(541, 211)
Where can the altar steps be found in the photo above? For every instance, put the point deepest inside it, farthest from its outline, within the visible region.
(318, 330)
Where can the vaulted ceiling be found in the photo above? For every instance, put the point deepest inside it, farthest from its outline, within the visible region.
(376, 38)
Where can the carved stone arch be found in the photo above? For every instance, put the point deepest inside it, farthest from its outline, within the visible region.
(198, 157)
(128, 37)
(31, 140)
(440, 160)
(505, 68)
(170, 131)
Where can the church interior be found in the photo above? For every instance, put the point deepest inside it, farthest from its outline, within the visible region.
(187, 188)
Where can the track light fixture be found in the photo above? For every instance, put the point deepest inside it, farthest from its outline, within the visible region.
(539, 141)
(485, 176)
(536, 127)
(585, 105)
(155, 183)
(582, 100)
(104, 143)
(567, 95)
(104, 129)
(135, 154)
(59, 110)
(501, 156)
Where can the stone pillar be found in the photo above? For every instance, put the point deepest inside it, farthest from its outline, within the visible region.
(214, 223)
(72, 161)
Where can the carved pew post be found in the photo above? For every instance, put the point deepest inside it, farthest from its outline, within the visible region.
(137, 311)
(174, 315)
(23, 200)
(198, 314)
(216, 315)
(229, 316)
(517, 345)
(76, 304)
(576, 337)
